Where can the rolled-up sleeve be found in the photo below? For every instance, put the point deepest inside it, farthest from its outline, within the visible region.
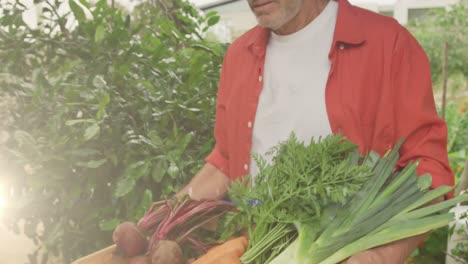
(219, 156)
(425, 133)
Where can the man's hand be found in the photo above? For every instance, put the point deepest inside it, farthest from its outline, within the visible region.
(209, 183)
(369, 257)
(388, 254)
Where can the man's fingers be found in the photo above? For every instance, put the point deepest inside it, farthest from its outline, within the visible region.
(366, 257)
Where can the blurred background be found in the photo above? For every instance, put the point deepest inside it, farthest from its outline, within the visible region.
(106, 106)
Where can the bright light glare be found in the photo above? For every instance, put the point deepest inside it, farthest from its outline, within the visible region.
(3, 200)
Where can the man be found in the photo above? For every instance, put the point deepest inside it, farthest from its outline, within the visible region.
(318, 67)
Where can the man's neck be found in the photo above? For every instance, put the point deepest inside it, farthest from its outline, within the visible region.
(309, 11)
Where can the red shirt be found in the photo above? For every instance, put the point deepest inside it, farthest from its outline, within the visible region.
(378, 91)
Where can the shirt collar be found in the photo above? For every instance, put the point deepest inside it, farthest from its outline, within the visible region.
(348, 30)
(348, 27)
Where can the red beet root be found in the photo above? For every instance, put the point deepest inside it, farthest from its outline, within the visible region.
(129, 239)
(167, 252)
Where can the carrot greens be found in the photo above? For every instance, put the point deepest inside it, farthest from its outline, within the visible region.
(301, 180)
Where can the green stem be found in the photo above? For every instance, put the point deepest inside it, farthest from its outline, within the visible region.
(391, 234)
(278, 232)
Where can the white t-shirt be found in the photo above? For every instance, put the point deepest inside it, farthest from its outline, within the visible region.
(295, 77)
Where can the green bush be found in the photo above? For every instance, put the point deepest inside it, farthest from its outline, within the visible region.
(457, 123)
(441, 26)
(432, 32)
(435, 246)
(108, 116)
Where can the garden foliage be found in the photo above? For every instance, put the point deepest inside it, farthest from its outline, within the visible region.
(109, 113)
(440, 26)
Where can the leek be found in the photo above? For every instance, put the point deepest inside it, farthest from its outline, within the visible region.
(386, 209)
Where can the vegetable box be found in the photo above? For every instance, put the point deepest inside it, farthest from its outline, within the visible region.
(104, 256)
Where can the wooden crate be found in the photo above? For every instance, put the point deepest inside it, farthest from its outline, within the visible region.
(104, 256)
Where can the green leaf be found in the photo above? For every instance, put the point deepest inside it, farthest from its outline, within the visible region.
(91, 132)
(85, 3)
(428, 197)
(159, 170)
(147, 199)
(394, 233)
(155, 139)
(138, 169)
(103, 103)
(173, 170)
(93, 164)
(424, 182)
(100, 33)
(109, 225)
(372, 159)
(211, 14)
(191, 109)
(83, 152)
(213, 20)
(78, 121)
(148, 85)
(77, 10)
(202, 47)
(124, 186)
(99, 81)
(183, 145)
(145, 204)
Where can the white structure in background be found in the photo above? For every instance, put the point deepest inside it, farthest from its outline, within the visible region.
(236, 15)
(402, 10)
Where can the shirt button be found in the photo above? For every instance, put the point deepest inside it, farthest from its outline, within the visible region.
(249, 124)
(260, 78)
(342, 47)
(246, 166)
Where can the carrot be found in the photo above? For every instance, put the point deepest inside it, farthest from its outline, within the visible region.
(229, 252)
(229, 259)
(221, 259)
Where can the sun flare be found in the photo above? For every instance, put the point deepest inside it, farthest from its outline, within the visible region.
(3, 200)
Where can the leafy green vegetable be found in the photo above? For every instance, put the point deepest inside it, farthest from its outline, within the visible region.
(300, 182)
(301, 179)
(386, 209)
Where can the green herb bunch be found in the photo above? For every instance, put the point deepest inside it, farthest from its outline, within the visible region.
(300, 181)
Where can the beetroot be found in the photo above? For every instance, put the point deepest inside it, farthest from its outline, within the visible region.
(171, 225)
(139, 260)
(177, 220)
(167, 252)
(129, 239)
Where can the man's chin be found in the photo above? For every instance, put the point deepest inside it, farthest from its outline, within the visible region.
(267, 22)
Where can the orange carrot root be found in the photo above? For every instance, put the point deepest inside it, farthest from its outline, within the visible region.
(227, 253)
